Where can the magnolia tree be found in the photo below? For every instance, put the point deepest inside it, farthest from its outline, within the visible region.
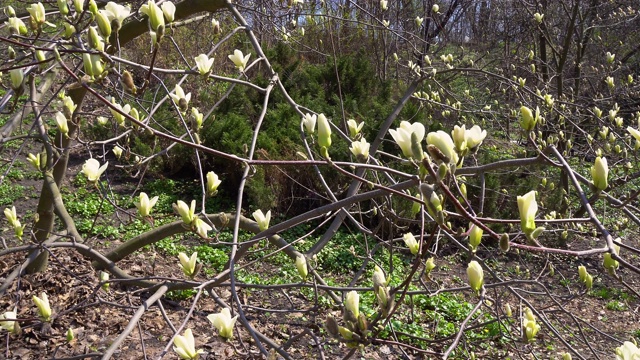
(427, 182)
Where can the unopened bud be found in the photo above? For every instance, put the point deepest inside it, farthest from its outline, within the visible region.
(504, 242)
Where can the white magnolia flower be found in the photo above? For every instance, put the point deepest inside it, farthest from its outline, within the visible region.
(17, 26)
(262, 219)
(92, 169)
(360, 149)
(117, 114)
(11, 215)
(309, 122)
(186, 212)
(628, 351)
(402, 136)
(117, 151)
(169, 10)
(354, 127)
(115, 11)
(185, 346)
(34, 160)
(204, 64)
(180, 98)
(223, 322)
(155, 14)
(10, 326)
(145, 204)
(475, 136)
(188, 264)
(444, 143)
(37, 13)
(213, 181)
(201, 226)
(239, 59)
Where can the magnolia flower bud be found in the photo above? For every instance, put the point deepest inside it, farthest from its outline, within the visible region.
(528, 121)
(352, 303)
(504, 242)
(69, 335)
(301, 265)
(63, 126)
(529, 325)
(44, 309)
(600, 173)
(17, 78)
(435, 8)
(476, 275)
(528, 208)
(345, 333)
(610, 264)
(324, 131)
(379, 279)
(104, 24)
(610, 82)
(127, 83)
(180, 98)
(507, 310)
(429, 265)
(475, 236)
(155, 14)
(538, 17)
(104, 278)
(610, 57)
(216, 26)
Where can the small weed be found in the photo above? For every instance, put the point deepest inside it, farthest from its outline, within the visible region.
(615, 305)
(9, 193)
(180, 294)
